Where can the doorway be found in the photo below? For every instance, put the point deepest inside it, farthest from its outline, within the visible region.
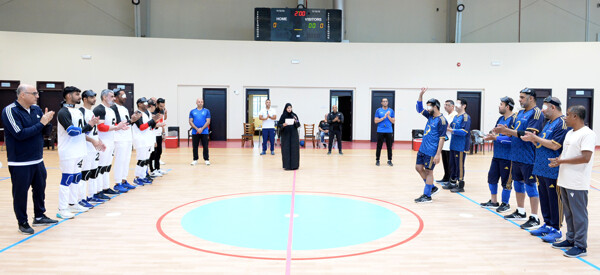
(473, 107)
(583, 97)
(343, 99)
(540, 94)
(50, 96)
(376, 97)
(215, 100)
(128, 87)
(8, 95)
(255, 102)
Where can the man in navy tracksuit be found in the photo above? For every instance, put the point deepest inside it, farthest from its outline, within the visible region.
(24, 123)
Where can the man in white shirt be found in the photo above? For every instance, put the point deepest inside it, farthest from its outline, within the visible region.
(450, 114)
(123, 142)
(268, 117)
(574, 176)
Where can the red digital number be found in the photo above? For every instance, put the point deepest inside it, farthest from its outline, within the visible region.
(300, 13)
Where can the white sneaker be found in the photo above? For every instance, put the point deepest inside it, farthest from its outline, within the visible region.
(207, 162)
(194, 163)
(161, 162)
(163, 172)
(76, 208)
(156, 174)
(64, 214)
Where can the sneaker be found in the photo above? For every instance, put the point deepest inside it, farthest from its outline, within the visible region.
(25, 229)
(156, 174)
(161, 162)
(341, 153)
(489, 204)
(457, 190)
(442, 182)
(127, 185)
(194, 163)
(64, 214)
(515, 216)
(148, 180)
(329, 152)
(423, 199)
(434, 190)
(207, 162)
(43, 221)
(110, 192)
(120, 189)
(532, 223)
(552, 236)
(377, 163)
(76, 208)
(504, 207)
(563, 245)
(542, 231)
(102, 196)
(164, 172)
(273, 153)
(138, 182)
(451, 185)
(86, 204)
(575, 252)
(263, 153)
(96, 200)
(390, 163)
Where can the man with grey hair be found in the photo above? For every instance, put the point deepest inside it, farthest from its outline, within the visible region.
(335, 120)
(24, 123)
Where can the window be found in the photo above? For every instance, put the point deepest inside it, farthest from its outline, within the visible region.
(258, 102)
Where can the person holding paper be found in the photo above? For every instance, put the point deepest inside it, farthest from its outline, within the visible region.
(290, 142)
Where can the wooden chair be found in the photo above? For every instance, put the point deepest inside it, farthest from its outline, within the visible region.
(189, 135)
(309, 133)
(248, 134)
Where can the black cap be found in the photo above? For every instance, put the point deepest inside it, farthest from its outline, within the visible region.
(528, 92)
(508, 101)
(552, 100)
(88, 93)
(435, 102)
(141, 100)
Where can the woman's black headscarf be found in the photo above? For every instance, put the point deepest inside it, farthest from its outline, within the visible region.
(286, 114)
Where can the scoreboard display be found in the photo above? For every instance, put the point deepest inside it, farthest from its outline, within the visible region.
(285, 24)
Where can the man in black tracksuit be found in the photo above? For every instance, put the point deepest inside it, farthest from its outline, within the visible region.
(335, 120)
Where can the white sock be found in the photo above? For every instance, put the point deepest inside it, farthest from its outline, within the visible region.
(521, 210)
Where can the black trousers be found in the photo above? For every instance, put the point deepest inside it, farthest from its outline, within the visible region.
(155, 155)
(388, 143)
(446, 163)
(196, 141)
(22, 178)
(337, 134)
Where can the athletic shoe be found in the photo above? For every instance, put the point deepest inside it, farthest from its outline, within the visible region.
(43, 221)
(139, 182)
(575, 252)
(532, 223)
(96, 200)
(504, 207)
(442, 182)
(552, 236)
(128, 185)
(263, 153)
(164, 172)
(156, 174)
(423, 199)
(515, 216)
(102, 196)
(273, 153)
(207, 162)
(161, 162)
(451, 185)
(390, 163)
(64, 214)
(110, 192)
(25, 229)
(563, 245)
(329, 153)
(489, 204)
(76, 208)
(434, 190)
(377, 162)
(86, 204)
(459, 188)
(194, 163)
(121, 189)
(341, 153)
(542, 231)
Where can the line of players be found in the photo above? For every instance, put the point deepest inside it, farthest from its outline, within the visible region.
(88, 139)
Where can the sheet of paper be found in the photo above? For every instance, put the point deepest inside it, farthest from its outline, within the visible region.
(289, 121)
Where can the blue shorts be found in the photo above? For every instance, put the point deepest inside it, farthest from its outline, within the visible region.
(425, 160)
(523, 172)
(500, 169)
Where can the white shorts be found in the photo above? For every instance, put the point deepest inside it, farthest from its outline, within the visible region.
(71, 166)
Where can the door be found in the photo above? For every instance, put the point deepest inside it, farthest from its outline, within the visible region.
(255, 101)
(128, 87)
(50, 96)
(540, 94)
(8, 95)
(473, 107)
(215, 100)
(343, 99)
(583, 97)
(376, 97)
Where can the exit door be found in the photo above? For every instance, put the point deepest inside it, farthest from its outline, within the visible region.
(128, 87)
(50, 96)
(343, 99)
(8, 95)
(215, 100)
(473, 107)
(583, 97)
(376, 98)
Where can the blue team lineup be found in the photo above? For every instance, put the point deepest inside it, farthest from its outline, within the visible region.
(543, 154)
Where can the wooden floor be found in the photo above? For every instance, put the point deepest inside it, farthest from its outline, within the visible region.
(121, 236)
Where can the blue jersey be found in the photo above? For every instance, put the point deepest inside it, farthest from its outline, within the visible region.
(524, 151)
(502, 149)
(555, 131)
(434, 130)
(385, 126)
(461, 139)
(200, 117)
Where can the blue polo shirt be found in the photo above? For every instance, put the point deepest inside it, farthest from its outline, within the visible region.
(434, 130)
(461, 138)
(200, 117)
(502, 149)
(532, 120)
(384, 126)
(555, 131)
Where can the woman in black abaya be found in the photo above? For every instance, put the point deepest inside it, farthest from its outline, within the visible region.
(290, 142)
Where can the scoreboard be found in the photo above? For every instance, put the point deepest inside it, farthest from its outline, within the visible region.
(285, 24)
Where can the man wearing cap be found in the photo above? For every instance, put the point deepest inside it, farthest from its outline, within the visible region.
(529, 119)
(143, 140)
(431, 147)
(501, 165)
(123, 142)
(106, 133)
(24, 123)
(548, 144)
(71, 150)
(461, 139)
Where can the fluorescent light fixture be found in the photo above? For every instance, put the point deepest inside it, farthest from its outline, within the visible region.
(295, 61)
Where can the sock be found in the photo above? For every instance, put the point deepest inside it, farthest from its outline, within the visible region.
(493, 188)
(521, 210)
(505, 195)
(427, 190)
(425, 181)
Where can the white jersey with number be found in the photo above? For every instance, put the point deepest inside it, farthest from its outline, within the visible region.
(70, 147)
(87, 116)
(143, 138)
(107, 116)
(123, 113)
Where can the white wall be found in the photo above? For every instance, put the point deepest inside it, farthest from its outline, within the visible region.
(160, 67)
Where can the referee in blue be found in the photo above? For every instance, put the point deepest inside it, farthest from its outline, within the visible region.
(24, 123)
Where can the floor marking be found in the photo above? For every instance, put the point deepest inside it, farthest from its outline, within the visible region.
(288, 259)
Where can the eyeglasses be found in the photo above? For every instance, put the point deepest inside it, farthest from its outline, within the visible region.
(33, 93)
(552, 101)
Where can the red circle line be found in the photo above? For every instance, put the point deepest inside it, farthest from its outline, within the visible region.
(419, 230)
